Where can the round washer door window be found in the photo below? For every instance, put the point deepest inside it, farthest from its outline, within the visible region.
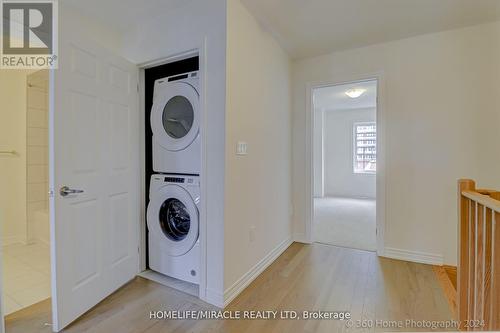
(175, 221)
(178, 117)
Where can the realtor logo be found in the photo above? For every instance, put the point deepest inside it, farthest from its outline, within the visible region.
(29, 34)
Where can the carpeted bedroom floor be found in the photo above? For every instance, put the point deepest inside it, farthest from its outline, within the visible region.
(345, 222)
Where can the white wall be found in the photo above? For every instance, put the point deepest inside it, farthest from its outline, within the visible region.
(197, 24)
(339, 178)
(257, 185)
(89, 27)
(13, 167)
(441, 110)
(489, 123)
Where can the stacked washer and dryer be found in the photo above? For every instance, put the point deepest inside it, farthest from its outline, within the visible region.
(174, 196)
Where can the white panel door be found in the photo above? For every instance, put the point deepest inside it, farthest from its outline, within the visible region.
(95, 149)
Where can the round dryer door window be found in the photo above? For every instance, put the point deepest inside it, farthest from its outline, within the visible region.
(175, 220)
(175, 116)
(178, 116)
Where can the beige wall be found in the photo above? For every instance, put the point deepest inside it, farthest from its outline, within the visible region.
(37, 156)
(442, 116)
(258, 185)
(13, 167)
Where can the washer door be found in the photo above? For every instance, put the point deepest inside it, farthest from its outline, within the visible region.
(175, 116)
(173, 218)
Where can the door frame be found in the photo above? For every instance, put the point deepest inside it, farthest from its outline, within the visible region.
(381, 152)
(200, 51)
(52, 203)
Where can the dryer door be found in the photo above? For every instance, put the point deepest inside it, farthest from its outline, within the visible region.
(175, 116)
(173, 217)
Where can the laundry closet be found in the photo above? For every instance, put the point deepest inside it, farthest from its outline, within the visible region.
(172, 173)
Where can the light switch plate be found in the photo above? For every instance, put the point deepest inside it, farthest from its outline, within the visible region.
(241, 148)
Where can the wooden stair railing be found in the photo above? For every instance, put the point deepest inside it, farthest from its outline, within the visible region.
(478, 275)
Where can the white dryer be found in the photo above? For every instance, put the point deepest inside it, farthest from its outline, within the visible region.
(175, 122)
(173, 224)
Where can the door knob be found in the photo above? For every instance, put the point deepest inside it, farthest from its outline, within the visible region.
(65, 191)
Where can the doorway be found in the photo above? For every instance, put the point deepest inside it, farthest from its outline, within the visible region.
(345, 165)
(24, 198)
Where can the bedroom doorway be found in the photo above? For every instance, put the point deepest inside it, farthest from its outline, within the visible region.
(345, 165)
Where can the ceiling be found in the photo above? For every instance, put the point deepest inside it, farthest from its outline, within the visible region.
(333, 98)
(122, 14)
(312, 27)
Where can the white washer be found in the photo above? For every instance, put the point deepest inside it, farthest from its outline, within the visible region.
(175, 122)
(173, 224)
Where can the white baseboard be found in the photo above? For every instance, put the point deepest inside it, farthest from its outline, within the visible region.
(243, 282)
(413, 256)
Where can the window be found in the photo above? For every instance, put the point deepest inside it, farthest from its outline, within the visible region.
(365, 147)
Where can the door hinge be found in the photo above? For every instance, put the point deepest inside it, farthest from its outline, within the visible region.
(137, 87)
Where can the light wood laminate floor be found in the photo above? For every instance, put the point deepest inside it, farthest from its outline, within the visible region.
(304, 277)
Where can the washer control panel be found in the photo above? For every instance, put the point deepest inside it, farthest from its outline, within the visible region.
(175, 180)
